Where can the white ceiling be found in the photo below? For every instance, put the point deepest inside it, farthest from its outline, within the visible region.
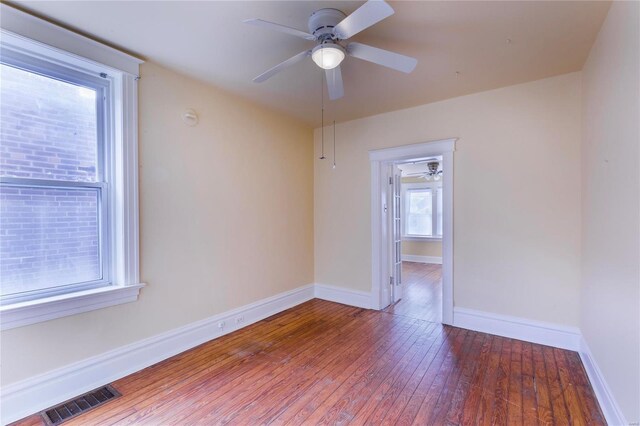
(207, 40)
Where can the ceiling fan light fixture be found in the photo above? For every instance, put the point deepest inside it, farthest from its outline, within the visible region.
(433, 174)
(328, 56)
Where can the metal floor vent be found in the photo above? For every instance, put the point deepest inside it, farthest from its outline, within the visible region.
(74, 407)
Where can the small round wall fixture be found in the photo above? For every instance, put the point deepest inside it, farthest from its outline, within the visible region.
(190, 117)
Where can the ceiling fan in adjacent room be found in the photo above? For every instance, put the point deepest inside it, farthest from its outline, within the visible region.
(433, 172)
(329, 28)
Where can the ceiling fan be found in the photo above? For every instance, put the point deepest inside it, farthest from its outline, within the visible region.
(433, 171)
(329, 28)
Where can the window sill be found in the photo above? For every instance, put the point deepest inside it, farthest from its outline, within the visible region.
(25, 313)
(416, 238)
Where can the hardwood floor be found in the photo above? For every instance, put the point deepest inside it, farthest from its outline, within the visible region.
(422, 298)
(326, 363)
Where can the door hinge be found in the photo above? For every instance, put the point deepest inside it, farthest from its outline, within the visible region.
(390, 280)
(390, 180)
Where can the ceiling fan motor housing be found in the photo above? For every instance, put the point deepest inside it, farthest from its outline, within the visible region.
(322, 22)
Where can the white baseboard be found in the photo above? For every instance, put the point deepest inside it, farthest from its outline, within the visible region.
(37, 393)
(360, 299)
(528, 330)
(608, 404)
(422, 259)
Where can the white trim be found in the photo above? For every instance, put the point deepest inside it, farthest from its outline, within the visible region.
(612, 412)
(36, 393)
(127, 253)
(379, 254)
(422, 259)
(414, 151)
(377, 228)
(447, 237)
(543, 333)
(31, 312)
(423, 239)
(360, 299)
(83, 48)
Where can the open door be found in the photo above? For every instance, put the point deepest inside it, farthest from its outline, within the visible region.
(396, 235)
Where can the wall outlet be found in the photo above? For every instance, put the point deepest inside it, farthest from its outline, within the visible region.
(240, 319)
(221, 325)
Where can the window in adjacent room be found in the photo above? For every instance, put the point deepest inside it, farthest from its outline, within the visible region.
(422, 210)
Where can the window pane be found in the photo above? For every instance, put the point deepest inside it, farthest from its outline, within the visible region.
(439, 207)
(419, 219)
(420, 202)
(48, 128)
(49, 238)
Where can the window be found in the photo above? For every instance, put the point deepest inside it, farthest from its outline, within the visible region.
(54, 186)
(419, 218)
(422, 210)
(68, 175)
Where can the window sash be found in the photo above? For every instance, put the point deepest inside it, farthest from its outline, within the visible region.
(436, 191)
(104, 166)
(71, 76)
(104, 247)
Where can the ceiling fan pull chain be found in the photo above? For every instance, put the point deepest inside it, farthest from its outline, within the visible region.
(334, 144)
(322, 112)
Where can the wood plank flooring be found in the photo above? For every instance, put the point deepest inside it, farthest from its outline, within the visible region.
(422, 298)
(326, 363)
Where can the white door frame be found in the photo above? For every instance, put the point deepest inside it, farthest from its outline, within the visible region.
(380, 159)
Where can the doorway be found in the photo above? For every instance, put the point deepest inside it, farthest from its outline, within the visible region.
(398, 285)
(417, 239)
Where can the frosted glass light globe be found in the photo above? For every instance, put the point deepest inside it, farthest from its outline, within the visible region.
(328, 56)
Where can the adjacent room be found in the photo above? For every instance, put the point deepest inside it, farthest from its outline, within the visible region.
(449, 231)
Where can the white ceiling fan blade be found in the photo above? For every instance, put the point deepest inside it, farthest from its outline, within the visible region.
(281, 28)
(334, 83)
(291, 61)
(370, 13)
(382, 57)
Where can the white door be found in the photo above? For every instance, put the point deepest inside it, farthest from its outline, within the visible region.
(386, 209)
(396, 235)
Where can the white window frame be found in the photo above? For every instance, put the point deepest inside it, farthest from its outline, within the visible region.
(435, 188)
(26, 35)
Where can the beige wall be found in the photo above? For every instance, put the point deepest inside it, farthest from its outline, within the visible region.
(212, 238)
(610, 319)
(516, 197)
(422, 248)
